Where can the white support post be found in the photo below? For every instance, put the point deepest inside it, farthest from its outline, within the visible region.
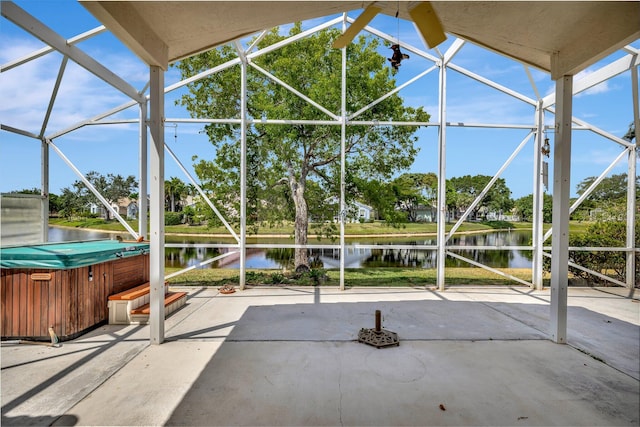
(442, 178)
(243, 167)
(631, 186)
(538, 201)
(561, 192)
(156, 255)
(143, 204)
(44, 184)
(44, 189)
(343, 136)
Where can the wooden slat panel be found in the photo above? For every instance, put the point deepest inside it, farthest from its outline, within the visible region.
(15, 302)
(70, 303)
(51, 306)
(107, 289)
(75, 303)
(89, 296)
(44, 305)
(37, 304)
(61, 302)
(102, 292)
(145, 269)
(7, 303)
(81, 289)
(128, 272)
(22, 302)
(4, 280)
(59, 296)
(30, 306)
(75, 296)
(98, 291)
(85, 305)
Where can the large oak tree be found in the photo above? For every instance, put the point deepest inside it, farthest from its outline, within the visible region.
(287, 162)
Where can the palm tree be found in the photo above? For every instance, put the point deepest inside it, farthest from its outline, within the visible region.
(174, 189)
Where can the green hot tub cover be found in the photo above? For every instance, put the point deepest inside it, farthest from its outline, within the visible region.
(68, 254)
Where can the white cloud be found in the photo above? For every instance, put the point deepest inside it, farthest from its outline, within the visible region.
(491, 108)
(29, 87)
(116, 57)
(601, 157)
(12, 49)
(599, 88)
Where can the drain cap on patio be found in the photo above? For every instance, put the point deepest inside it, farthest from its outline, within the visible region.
(377, 336)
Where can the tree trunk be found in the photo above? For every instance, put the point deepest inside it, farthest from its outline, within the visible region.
(301, 225)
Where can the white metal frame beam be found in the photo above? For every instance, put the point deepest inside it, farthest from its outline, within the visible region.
(54, 94)
(343, 138)
(243, 163)
(44, 189)
(48, 49)
(442, 178)
(143, 169)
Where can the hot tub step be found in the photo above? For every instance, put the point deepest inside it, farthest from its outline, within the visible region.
(172, 302)
(122, 303)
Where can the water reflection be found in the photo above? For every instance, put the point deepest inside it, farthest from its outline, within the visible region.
(356, 257)
(57, 234)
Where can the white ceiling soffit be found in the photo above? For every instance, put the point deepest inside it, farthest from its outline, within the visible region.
(574, 33)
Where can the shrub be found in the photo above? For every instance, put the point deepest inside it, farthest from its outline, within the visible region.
(612, 264)
(172, 218)
(278, 278)
(318, 275)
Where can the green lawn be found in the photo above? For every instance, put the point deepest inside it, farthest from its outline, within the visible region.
(353, 277)
(352, 229)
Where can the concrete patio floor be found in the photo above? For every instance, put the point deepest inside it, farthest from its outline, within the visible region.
(290, 356)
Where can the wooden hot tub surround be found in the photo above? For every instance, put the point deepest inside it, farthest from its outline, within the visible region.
(72, 299)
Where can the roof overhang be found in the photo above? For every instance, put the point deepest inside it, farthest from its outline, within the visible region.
(560, 37)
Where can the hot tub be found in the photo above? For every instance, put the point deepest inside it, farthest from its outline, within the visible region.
(65, 285)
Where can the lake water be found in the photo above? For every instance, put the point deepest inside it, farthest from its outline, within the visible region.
(330, 258)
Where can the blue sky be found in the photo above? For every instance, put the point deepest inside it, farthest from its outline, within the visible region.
(25, 92)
